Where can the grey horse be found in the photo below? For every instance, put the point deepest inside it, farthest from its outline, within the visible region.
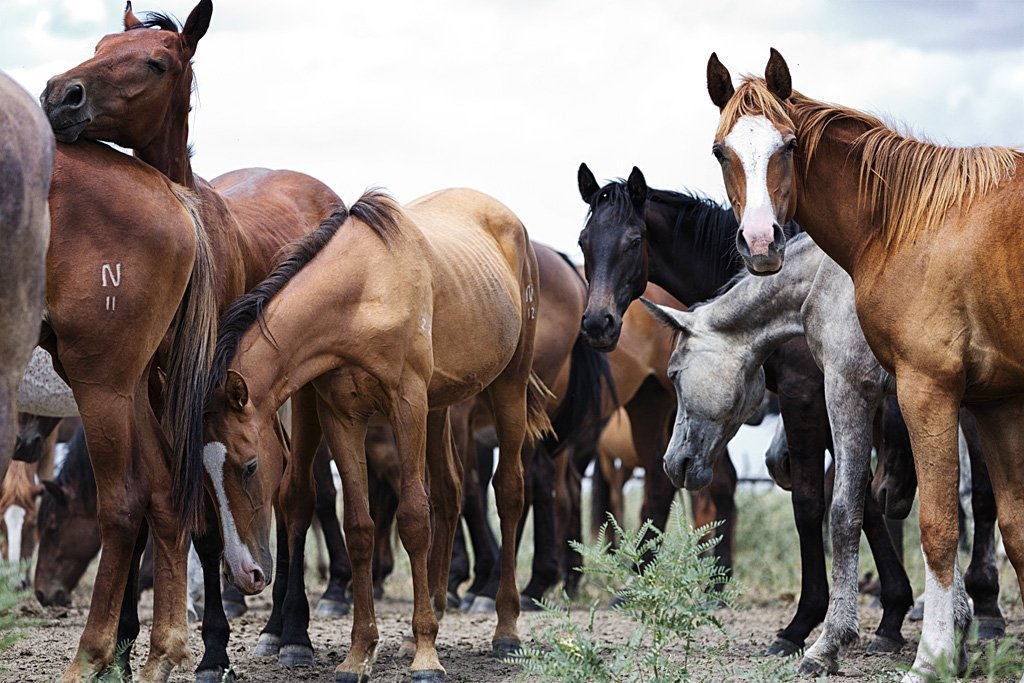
(26, 165)
(716, 368)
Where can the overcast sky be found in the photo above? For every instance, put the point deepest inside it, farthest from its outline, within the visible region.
(509, 96)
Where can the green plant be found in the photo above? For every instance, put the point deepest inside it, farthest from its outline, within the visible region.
(998, 660)
(10, 596)
(670, 600)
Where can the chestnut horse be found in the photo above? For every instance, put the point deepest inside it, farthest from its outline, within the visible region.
(26, 162)
(381, 308)
(940, 314)
(135, 91)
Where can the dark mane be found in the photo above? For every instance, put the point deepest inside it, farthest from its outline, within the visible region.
(77, 472)
(376, 209)
(159, 20)
(614, 198)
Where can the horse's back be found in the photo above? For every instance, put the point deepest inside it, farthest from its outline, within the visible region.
(481, 262)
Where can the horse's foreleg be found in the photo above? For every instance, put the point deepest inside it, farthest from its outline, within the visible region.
(897, 595)
(931, 408)
(128, 622)
(215, 663)
(333, 602)
(544, 569)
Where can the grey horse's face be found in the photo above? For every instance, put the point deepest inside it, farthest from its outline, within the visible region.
(717, 389)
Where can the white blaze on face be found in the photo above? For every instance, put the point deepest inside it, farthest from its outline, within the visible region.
(754, 140)
(235, 551)
(14, 518)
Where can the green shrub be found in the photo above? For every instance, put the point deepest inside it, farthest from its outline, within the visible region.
(669, 600)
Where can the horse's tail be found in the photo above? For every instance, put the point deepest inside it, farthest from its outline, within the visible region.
(193, 336)
(589, 377)
(538, 424)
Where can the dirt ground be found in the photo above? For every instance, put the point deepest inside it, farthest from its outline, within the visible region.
(464, 645)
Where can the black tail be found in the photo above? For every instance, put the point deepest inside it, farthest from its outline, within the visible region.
(589, 376)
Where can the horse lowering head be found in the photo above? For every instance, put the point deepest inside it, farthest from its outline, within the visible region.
(244, 462)
(754, 145)
(894, 484)
(716, 391)
(18, 512)
(133, 87)
(69, 529)
(33, 431)
(614, 253)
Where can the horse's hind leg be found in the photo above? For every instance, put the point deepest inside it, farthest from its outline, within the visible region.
(128, 622)
(108, 420)
(544, 570)
(445, 468)
(897, 596)
(169, 637)
(508, 405)
(333, 602)
(982, 577)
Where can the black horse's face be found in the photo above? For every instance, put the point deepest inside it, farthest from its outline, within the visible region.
(614, 245)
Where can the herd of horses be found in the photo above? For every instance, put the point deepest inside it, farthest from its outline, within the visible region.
(223, 342)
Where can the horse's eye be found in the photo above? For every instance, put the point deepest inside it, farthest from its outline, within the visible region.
(719, 153)
(157, 66)
(250, 468)
(791, 145)
(634, 244)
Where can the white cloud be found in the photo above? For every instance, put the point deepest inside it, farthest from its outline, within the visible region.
(510, 97)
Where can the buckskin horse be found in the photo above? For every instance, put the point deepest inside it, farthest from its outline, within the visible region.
(26, 162)
(921, 229)
(135, 91)
(375, 308)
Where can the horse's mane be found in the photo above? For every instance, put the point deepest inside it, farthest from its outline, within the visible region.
(77, 472)
(157, 20)
(374, 208)
(909, 184)
(614, 198)
(712, 225)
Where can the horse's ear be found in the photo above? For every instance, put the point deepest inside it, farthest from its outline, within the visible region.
(719, 82)
(130, 20)
(670, 317)
(197, 24)
(637, 187)
(56, 490)
(588, 183)
(236, 390)
(776, 75)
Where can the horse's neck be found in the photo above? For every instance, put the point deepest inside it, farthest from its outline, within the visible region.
(766, 311)
(168, 151)
(827, 196)
(693, 273)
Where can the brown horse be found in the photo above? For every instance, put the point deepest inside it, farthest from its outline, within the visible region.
(26, 162)
(381, 309)
(135, 91)
(921, 229)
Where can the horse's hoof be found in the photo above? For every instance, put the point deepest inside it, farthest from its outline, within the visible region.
(331, 609)
(378, 592)
(233, 609)
(812, 667)
(467, 602)
(482, 605)
(783, 647)
(407, 650)
(349, 677)
(292, 656)
(267, 646)
(428, 676)
(990, 628)
(880, 644)
(217, 675)
(453, 600)
(527, 604)
(505, 646)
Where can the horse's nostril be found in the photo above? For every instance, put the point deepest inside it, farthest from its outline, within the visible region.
(74, 96)
(257, 576)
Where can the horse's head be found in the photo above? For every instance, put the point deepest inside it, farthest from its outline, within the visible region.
(777, 458)
(244, 461)
(614, 248)
(754, 144)
(33, 431)
(136, 85)
(716, 391)
(69, 539)
(894, 484)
